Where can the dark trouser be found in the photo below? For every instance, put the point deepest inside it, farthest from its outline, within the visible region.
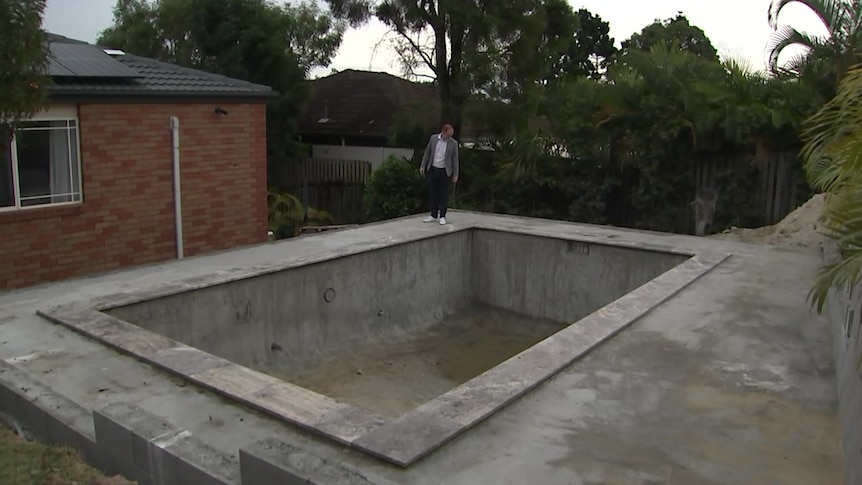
(438, 183)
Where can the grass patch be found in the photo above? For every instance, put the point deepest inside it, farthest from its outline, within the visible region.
(28, 463)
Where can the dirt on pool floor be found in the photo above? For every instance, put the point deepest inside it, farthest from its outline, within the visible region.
(393, 376)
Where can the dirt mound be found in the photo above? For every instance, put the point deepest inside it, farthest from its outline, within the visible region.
(800, 229)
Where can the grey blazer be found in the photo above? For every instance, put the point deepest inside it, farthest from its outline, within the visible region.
(451, 158)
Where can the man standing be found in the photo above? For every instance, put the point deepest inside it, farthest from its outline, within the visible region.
(440, 162)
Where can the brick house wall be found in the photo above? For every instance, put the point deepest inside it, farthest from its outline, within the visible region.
(127, 214)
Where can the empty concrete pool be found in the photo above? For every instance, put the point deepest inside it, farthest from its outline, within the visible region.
(396, 350)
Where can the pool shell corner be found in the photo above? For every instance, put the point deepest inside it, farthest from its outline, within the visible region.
(406, 439)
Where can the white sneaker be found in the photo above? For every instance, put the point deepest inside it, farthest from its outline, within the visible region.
(429, 219)
(442, 221)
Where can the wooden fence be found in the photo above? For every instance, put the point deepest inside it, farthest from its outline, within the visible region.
(335, 186)
(781, 184)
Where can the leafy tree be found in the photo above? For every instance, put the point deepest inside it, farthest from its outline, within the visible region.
(470, 45)
(657, 114)
(826, 58)
(138, 29)
(189, 32)
(593, 44)
(738, 108)
(513, 118)
(649, 134)
(23, 61)
(511, 113)
(623, 147)
(834, 165)
(23, 76)
(676, 30)
(520, 54)
(411, 20)
(312, 35)
(589, 49)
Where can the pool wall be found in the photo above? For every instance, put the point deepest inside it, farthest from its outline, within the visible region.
(284, 319)
(293, 319)
(557, 279)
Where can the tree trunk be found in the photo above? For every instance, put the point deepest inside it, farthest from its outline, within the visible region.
(449, 72)
(457, 83)
(438, 23)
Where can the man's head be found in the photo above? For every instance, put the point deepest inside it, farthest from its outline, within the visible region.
(447, 131)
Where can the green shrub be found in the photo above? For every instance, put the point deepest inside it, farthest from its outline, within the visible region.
(287, 215)
(395, 189)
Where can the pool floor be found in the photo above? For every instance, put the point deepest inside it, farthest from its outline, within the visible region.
(395, 375)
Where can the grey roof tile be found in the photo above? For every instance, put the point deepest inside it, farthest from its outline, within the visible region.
(364, 103)
(156, 78)
(355, 103)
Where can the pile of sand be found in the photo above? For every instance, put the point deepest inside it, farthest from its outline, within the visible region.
(800, 229)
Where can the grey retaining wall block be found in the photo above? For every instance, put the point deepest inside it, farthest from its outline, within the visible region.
(45, 414)
(844, 311)
(124, 439)
(273, 462)
(150, 450)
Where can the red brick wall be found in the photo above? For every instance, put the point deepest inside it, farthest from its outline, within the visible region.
(127, 217)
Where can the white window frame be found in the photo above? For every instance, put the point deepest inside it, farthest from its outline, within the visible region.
(65, 113)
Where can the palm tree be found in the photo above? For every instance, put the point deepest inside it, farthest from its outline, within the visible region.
(746, 108)
(825, 56)
(833, 163)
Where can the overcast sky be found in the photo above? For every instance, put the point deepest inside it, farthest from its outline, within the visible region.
(735, 27)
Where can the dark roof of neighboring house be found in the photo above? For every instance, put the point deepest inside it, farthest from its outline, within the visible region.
(79, 71)
(365, 103)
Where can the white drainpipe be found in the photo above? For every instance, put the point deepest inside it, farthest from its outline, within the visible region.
(178, 210)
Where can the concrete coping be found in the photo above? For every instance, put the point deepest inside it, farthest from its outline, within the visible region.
(408, 438)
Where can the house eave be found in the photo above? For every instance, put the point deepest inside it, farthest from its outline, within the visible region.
(133, 96)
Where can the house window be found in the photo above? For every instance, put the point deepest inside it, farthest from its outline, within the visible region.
(40, 165)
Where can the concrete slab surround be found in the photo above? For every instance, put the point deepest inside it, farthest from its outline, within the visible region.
(702, 342)
(563, 279)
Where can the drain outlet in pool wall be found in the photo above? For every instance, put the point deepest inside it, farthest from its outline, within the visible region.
(329, 295)
(579, 247)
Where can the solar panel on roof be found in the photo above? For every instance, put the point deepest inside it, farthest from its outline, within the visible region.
(57, 70)
(84, 60)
